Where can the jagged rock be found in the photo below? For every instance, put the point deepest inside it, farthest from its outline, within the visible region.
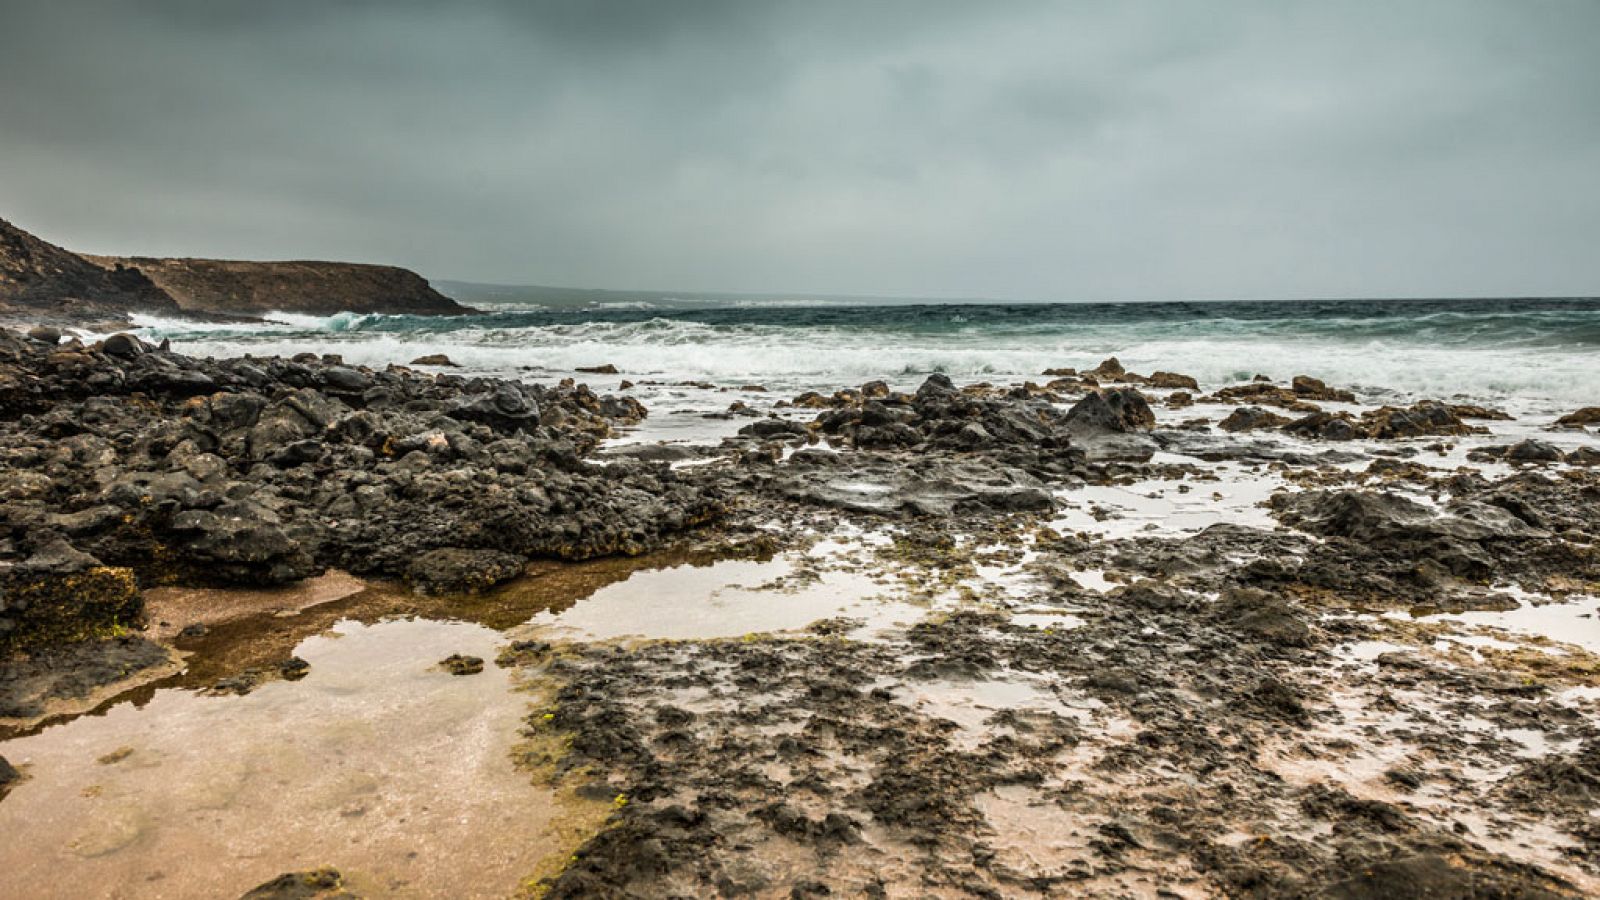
(240, 543)
(1263, 616)
(1372, 516)
(1584, 456)
(1315, 389)
(1173, 380)
(457, 570)
(1325, 426)
(1428, 417)
(504, 406)
(1121, 410)
(1249, 418)
(1264, 392)
(456, 664)
(1532, 451)
(1588, 415)
(287, 466)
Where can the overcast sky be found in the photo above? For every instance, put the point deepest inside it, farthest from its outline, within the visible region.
(1061, 151)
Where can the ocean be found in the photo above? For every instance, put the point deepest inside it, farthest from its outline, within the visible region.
(1529, 355)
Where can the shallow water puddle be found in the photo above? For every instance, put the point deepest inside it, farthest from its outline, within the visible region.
(377, 763)
(1168, 507)
(727, 598)
(1046, 618)
(1574, 622)
(170, 608)
(971, 704)
(1034, 837)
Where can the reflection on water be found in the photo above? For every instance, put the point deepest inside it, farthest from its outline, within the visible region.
(724, 599)
(378, 763)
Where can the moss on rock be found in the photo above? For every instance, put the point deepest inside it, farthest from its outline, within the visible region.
(50, 610)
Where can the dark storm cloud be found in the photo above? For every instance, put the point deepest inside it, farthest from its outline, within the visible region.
(1036, 150)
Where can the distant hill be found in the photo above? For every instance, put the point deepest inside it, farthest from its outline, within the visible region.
(318, 288)
(39, 278)
(44, 282)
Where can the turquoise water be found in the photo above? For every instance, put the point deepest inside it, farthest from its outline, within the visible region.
(1542, 353)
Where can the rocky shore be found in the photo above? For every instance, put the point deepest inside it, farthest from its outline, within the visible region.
(128, 466)
(1241, 711)
(1146, 640)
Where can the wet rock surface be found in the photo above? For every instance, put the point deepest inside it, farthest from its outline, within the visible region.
(128, 462)
(1207, 720)
(8, 776)
(456, 664)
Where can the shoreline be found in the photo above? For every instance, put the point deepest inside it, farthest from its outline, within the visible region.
(1105, 632)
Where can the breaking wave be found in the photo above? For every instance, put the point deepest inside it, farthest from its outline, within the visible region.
(1491, 350)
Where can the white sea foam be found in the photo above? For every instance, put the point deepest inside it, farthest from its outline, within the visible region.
(1532, 378)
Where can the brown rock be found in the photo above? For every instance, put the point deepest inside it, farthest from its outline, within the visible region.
(1315, 389)
(1249, 418)
(1589, 415)
(1173, 380)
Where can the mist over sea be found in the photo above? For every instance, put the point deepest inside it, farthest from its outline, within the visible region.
(1534, 355)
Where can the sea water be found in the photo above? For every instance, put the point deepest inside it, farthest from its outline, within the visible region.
(1531, 356)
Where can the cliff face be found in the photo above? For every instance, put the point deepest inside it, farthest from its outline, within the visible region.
(43, 282)
(37, 277)
(318, 288)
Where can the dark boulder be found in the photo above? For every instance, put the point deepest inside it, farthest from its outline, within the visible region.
(1249, 418)
(504, 406)
(1120, 410)
(456, 664)
(123, 345)
(457, 570)
(1172, 380)
(1427, 417)
(1324, 426)
(1589, 415)
(239, 543)
(1315, 389)
(1262, 616)
(1532, 451)
(1372, 516)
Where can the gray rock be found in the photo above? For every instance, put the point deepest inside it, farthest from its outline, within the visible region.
(123, 345)
(1122, 410)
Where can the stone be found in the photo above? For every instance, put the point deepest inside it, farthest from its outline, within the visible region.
(1121, 410)
(434, 359)
(456, 664)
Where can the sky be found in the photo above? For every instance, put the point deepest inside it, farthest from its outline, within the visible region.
(1010, 149)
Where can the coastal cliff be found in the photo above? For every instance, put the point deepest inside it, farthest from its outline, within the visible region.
(43, 282)
(38, 278)
(319, 288)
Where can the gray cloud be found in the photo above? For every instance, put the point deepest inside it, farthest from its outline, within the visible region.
(1028, 150)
